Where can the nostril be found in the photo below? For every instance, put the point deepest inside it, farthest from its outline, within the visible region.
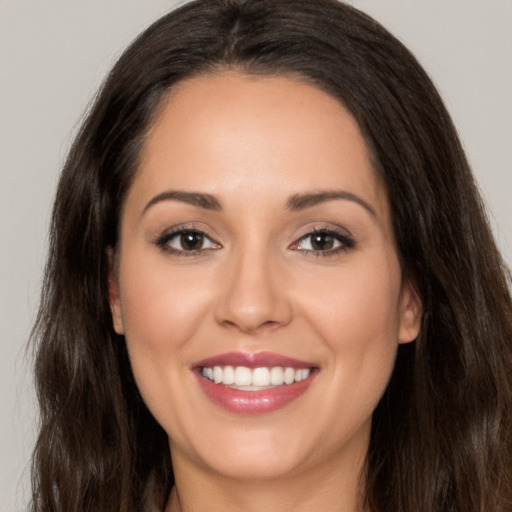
(249, 327)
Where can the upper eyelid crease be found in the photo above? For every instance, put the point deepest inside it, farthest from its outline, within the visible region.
(346, 241)
(165, 238)
(344, 238)
(180, 231)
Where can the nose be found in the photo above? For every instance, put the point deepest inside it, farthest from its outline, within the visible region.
(254, 294)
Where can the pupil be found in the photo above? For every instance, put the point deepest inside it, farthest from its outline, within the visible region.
(191, 241)
(322, 242)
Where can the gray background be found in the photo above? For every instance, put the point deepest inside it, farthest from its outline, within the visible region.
(54, 54)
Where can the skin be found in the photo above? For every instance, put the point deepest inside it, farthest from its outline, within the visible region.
(253, 143)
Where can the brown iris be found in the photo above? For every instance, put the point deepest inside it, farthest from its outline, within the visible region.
(322, 241)
(191, 241)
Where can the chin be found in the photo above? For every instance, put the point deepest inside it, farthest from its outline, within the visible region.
(257, 467)
(250, 454)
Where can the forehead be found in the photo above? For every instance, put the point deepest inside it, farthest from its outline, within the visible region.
(231, 132)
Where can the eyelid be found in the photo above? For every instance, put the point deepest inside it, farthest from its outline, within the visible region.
(162, 240)
(346, 241)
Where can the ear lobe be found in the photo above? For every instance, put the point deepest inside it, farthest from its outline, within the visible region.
(114, 297)
(411, 310)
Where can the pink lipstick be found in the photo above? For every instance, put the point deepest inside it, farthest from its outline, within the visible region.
(246, 383)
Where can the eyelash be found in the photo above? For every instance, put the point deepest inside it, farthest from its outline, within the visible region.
(346, 242)
(163, 242)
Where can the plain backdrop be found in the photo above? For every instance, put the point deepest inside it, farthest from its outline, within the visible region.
(53, 56)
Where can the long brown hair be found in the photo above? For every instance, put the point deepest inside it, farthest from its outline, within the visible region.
(442, 433)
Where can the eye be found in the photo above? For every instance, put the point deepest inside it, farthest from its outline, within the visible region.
(324, 241)
(186, 241)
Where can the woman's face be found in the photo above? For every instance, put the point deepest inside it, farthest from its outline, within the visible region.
(257, 280)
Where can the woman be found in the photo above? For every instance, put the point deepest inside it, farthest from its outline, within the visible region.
(269, 265)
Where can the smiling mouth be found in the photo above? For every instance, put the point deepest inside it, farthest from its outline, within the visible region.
(254, 379)
(252, 384)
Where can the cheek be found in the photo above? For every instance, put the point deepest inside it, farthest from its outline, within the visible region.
(357, 318)
(362, 298)
(161, 312)
(160, 307)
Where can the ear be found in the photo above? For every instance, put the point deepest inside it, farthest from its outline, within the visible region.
(113, 293)
(410, 312)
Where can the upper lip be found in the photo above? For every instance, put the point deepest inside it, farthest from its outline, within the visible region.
(252, 360)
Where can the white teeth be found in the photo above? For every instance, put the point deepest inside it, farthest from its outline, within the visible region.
(301, 375)
(255, 378)
(243, 376)
(261, 377)
(217, 374)
(289, 376)
(228, 376)
(277, 376)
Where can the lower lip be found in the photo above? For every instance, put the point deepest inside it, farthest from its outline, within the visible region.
(253, 402)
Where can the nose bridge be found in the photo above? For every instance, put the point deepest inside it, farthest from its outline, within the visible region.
(253, 295)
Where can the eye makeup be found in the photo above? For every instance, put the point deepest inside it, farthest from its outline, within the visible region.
(190, 241)
(186, 241)
(324, 242)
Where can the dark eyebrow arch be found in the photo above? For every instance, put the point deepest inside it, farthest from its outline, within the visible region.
(300, 202)
(206, 201)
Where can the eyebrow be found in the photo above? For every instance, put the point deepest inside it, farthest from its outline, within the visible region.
(297, 202)
(206, 201)
(300, 202)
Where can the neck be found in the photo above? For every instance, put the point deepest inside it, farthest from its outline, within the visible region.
(335, 488)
